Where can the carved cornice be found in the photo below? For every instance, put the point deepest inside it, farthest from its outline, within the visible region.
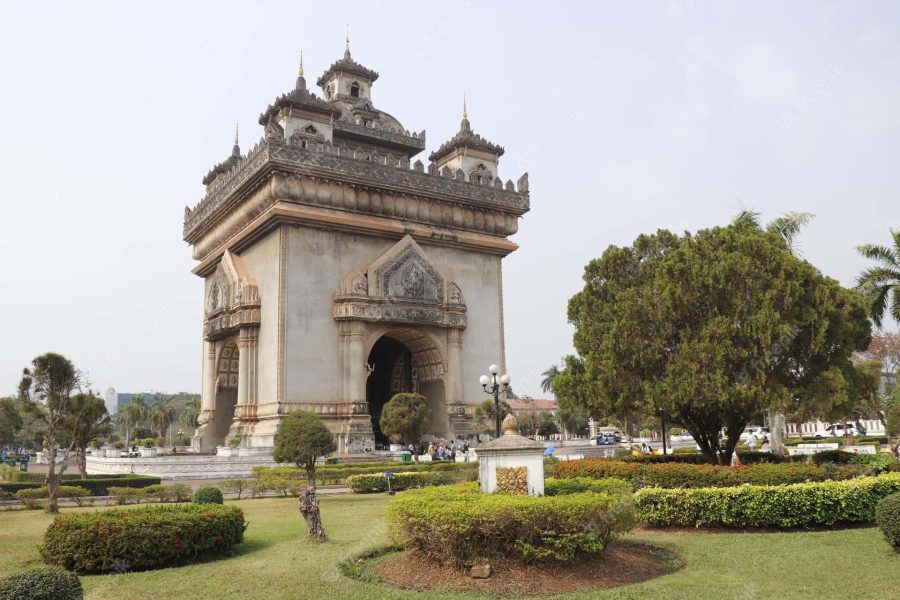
(356, 181)
(410, 144)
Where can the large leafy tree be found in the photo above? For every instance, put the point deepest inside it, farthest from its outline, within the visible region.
(302, 439)
(881, 283)
(709, 329)
(483, 419)
(405, 415)
(46, 390)
(87, 420)
(10, 421)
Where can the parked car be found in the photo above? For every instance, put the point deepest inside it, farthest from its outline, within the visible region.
(839, 430)
(606, 438)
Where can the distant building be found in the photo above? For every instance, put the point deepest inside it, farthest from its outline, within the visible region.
(536, 406)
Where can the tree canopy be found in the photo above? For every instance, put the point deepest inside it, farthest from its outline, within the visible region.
(405, 415)
(301, 439)
(708, 329)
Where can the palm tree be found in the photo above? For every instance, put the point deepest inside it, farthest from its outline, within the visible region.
(161, 414)
(881, 283)
(191, 413)
(786, 226)
(131, 415)
(549, 376)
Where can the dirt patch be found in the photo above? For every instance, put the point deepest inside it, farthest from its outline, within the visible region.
(619, 565)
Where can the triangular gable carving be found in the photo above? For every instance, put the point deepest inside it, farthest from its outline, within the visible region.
(401, 285)
(232, 299)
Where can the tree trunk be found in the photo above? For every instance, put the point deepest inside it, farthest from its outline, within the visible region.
(52, 477)
(776, 431)
(81, 461)
(309, 508)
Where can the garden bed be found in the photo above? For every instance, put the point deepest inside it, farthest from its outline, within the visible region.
(620, 565)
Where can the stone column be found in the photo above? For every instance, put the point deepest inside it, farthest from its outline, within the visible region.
(460, 423)
(207, 396)
(357, 421)
(248, 349)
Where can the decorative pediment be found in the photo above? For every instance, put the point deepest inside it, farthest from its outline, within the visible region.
(402, 285)
(232, 298)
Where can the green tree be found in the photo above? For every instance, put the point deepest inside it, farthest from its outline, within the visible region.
(709, 329)
(190, 413)
(405, 415)
(546, 425)
(483, 421)
(527, 422)
(161, 413)
(87, 420)
(45, 390)
(881, 284)
(10, 421)
(302, 439)
(549, 376)
(133, 415)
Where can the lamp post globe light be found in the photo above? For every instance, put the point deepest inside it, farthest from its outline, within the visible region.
(495, 386)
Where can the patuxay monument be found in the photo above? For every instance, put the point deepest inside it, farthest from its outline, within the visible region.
(339, 269)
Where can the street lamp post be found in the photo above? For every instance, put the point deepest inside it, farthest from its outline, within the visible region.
(495, 386)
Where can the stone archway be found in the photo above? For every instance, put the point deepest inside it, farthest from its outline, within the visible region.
(227, 380)
(406, 360)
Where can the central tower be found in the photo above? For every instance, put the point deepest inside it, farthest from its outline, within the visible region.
(337, 272)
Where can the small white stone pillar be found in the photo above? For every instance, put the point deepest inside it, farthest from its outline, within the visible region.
(511, 450)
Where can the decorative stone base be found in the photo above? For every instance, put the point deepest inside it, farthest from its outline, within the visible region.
(184, 466)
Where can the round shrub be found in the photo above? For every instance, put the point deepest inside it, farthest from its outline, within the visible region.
(887, 515)
(149, 537)
(208, 494)
(461, 522)
(44, 583)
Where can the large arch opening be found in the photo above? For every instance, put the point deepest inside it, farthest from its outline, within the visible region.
(405, 360)
(227, 369)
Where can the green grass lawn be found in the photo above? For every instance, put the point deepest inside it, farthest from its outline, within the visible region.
(276, 562)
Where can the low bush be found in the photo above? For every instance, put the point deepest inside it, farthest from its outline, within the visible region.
(337, 474)
(236, 486)
(177, 492)
(681, 475)
(780, 506)
(575, 485)
(366, 484)
(43, 583)
(97, 486)
(208, 494)
(887, 515)
(858, 440)
(126, 495)
(460, 522)
(31, 497)
(149, 537)
(879, 463)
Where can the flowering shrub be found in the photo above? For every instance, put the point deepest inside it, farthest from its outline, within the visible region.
(135, 539)
(462, 522)
(796, 505)
(681, 475)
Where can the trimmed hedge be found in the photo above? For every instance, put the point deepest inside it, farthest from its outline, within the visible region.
(208, 494)
(879, 463)
(30, 497)
(337, 474)
(887, 515)
(43, 583)
(780, 506)
(576, 485)
(460, 522)
(143, 538)
(367, 484)
(97, 486)
(680, 475)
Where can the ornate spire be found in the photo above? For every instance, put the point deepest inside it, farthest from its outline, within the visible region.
(347, 44)
(236, 149)
(301, 81)
(464, 124)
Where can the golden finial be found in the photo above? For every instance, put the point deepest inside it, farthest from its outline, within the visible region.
(465, 110)
(300, 70)
(510, 424)
(236, 142)
(347, 43)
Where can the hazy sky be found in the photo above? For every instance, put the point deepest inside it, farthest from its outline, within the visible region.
(628, 116)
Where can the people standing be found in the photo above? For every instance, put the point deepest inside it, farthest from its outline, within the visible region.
(466, 451)
(752, 442)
